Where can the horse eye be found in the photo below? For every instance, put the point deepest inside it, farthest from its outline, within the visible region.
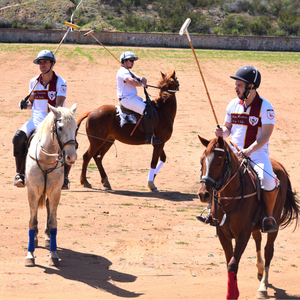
(60, 128)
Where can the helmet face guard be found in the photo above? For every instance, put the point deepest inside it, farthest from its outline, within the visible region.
(127, 55)
(248, 74)
(45, 54)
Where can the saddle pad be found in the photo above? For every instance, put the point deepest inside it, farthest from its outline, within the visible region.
(125, 118)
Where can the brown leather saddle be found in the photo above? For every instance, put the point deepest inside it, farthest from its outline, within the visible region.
(155, 117)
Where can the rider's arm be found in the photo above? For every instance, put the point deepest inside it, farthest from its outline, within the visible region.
(224, 131)
(266, 131)
(60, 101)
(134, 81)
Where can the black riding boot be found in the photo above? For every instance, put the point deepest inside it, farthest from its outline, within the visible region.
(66, 184)
(149, 137)
(19, 179)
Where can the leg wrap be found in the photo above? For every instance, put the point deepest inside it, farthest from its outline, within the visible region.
(31, 246)
(232, 288)
(20, 143)
(53, 233)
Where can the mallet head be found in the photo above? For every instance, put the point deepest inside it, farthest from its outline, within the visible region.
(89, 33)
(71, 25)
(185, 26)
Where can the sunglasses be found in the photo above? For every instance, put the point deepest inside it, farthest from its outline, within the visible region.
(131, 60)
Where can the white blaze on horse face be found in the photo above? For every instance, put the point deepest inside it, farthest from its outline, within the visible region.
(208, 161)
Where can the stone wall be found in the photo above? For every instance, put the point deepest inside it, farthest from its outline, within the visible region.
(171, 40)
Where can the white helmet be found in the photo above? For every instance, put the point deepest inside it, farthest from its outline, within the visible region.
(126, 55)
(45, 54)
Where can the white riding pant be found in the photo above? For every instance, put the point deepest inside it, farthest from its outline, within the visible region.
(28, 127)
(134, 103)
(263, 167)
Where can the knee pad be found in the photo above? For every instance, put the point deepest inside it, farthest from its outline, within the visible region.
(19, 142)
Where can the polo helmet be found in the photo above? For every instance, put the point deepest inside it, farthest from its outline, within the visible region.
(45, 54)
(248, 74)
(127, 55)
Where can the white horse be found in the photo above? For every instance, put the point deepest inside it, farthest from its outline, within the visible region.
(53, 145)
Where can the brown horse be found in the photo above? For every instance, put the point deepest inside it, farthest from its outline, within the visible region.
(103, 128)
(237, 211)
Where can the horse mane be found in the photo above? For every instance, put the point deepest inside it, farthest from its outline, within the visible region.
(221, 143)
(163, 83)
(46, 125)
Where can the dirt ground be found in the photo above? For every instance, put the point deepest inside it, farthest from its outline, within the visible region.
(129, 242)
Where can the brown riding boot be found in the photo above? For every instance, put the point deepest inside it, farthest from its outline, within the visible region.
(19, 180)
(66, 184)
(269, 223)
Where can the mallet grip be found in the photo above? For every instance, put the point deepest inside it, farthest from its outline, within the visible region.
(71, 25)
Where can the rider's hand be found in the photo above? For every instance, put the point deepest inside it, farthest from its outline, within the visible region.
(23, 104)
(144, 82)
(219, 132)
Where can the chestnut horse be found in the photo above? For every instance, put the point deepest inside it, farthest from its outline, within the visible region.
(103, 128)
(237, 211)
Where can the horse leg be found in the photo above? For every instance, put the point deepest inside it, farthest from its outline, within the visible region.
(52, 224)
(155, 155)
(240, 245)
(259, 260)
(47, 230)
(162, 158)
(98, 159)
(262, 292)
(33, 204)
(86, 159)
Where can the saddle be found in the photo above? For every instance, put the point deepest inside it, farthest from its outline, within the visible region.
(128, 116)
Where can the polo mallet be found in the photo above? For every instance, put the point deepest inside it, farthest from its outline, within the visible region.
(181, 32)
(69, 25)
(90, 33)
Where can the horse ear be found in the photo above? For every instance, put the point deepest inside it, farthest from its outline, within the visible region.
(53, 109)
(162, 74)
(203, 141)
(73, 108)
(173, 74)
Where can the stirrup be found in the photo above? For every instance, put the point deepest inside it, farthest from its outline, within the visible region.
(207, 219)
(19, 180)
(269, 228)
(153, 141)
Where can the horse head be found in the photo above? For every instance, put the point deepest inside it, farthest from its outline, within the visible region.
(215, 167)
(63, 131)
(168, 83)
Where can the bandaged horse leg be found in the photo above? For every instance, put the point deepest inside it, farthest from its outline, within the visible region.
(269, 223)
(151, 184)
(29, 260)
(158, 167)
(232, 288)
(54, 259)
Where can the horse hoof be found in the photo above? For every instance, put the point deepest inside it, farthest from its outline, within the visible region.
(87, 185)
(259, 276)
(47, 243)
(262, 295)
(29, 262)
(53, 262)
(106, 184)
(152, 187)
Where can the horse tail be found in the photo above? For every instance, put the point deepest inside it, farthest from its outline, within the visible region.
(42, 201)
(291, 209)
(82, 117)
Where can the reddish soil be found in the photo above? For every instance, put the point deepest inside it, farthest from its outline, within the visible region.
(130, 242)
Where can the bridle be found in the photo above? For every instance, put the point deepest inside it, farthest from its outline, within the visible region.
(59, 157)
(222, 182)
